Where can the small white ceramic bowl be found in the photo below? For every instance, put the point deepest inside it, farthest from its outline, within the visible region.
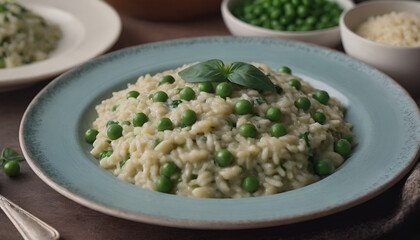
(327, 37)
(400, 63)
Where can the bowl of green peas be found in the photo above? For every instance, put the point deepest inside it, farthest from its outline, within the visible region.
(313, 21)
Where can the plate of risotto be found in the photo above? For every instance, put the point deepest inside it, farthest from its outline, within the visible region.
(221, 133)
(41, 39)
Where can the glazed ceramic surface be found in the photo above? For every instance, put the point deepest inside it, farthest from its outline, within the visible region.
(401, 63)
(84, 37)
(386, 123)
(327, 37)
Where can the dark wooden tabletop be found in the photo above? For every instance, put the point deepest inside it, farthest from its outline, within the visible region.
(384, 216)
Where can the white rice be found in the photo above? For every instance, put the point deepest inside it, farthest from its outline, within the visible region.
(395, 28)
(25, 37)
(279, 164)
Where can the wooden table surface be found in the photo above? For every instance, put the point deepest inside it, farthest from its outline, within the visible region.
(74, 221)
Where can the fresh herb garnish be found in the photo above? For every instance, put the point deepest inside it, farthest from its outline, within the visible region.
(230, 122)
(8, 154)
(157, 141)
(241, 73)
(304, 136)
(173, 104)
(181, 125)
(105, 153)
(125, 160)
(259, 100)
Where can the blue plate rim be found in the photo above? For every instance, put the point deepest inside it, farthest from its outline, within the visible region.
(186, 223)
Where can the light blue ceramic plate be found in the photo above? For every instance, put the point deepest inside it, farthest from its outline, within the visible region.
(386, 120)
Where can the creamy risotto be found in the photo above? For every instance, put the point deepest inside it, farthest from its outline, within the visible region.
(25, 37)
(247, 131)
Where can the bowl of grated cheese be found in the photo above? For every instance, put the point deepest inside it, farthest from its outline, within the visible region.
(386, 35)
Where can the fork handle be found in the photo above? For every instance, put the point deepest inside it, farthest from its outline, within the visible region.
(29, 226)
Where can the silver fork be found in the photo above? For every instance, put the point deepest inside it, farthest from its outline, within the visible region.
(29, 226)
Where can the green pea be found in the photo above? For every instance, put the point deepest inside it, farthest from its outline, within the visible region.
(342, 147)
(302, 11)
(166, 79)
(319, 117)
(285, 69)
(160, 96)
(90, 135)
(303, 103)
(321, 96)
(132, 94)
(224, 89)
(278, 130)
(110, 122)
(139, 119)
(243, 107)
(188, 117)
(164, 124)
(11, 168)
(223, 158)
(206, 87)
(247, 130)
(273, 114)
(322, 167)
(163, 184)
(295, 83)
(187, 93)
(114, 131)
(168, 169)
(250, 184)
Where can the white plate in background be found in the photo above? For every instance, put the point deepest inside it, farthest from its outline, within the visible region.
(89, 28)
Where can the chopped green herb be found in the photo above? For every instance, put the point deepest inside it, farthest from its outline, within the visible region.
(108, 141)
(259, 100)
(125, 160)
(181, 125)
(180, 145)
(203, 138)
(195, 186)
(150, 96)
(126, 123)
(305, 137)
(230, 122)
(173, 104)
(105, 154)
(114, 108)
(156, 142)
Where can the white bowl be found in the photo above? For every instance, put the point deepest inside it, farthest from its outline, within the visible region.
(401, 63)
(327, 37)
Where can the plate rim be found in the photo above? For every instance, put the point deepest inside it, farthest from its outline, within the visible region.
(7, 84)
(203, 224)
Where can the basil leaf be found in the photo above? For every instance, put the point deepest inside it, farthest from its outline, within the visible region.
(8, 154)
(247, 75)
(209, 71)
